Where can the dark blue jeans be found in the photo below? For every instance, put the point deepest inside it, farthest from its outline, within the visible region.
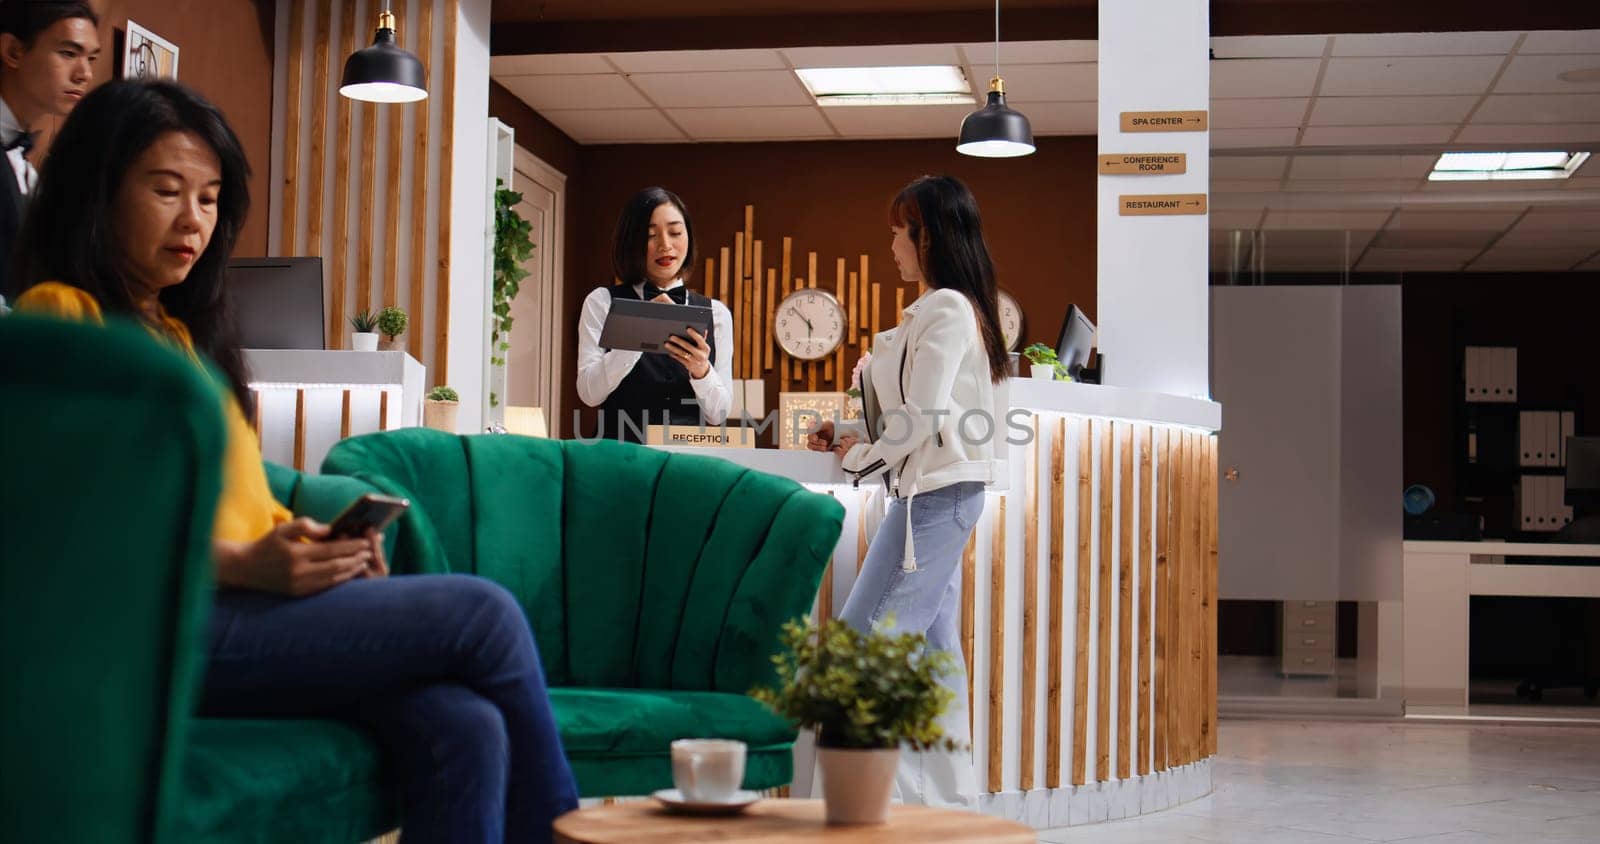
(444, 671)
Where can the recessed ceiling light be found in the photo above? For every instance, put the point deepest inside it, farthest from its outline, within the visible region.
(1588, 74)
(858, 86)
(1502, 166)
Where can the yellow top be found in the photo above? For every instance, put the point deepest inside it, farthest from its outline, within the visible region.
(246, 510)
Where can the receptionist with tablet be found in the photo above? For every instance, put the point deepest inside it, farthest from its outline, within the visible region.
(652, 254)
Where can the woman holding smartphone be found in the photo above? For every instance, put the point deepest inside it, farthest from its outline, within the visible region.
(933, 377)
(652, 254)
(135, 217)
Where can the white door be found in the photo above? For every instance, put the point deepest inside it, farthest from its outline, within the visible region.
(532, 376)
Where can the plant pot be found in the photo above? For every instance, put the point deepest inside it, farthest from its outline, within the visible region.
(391, 344)
(364, 341)
(1042, 370)
(856, 784)
(440, 415)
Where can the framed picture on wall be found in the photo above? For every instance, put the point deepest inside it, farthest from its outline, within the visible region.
(146, 55)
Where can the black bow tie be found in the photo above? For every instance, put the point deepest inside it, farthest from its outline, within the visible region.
(677, 294)
(23, 141)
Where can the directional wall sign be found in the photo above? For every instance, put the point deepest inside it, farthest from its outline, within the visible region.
(1143, 164)
(1164, 121)
(1147, 205)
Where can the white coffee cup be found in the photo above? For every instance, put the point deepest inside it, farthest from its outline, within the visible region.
(708, 770)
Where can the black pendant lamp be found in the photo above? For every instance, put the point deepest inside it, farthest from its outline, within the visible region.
(996, 131)
(384, 73)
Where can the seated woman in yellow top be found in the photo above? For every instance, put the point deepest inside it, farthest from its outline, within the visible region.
(135, 215)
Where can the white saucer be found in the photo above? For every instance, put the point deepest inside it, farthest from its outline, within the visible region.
(674, 801)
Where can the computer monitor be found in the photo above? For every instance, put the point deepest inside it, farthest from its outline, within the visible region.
(1583, 473)
(277, 302)
(1077, 338)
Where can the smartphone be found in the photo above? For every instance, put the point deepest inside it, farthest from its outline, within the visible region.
(369, 512)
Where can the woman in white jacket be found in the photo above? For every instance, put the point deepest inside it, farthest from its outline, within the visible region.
(932, 432)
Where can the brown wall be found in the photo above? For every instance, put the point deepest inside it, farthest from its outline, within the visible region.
(224, 52)
(832, 198)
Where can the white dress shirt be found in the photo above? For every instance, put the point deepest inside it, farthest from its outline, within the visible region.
(600, 371)
(21, 170)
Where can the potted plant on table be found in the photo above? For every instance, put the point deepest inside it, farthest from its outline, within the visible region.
(439, 411)
(392, 323)
(365, 336)
(865, 694)
(1043, 363)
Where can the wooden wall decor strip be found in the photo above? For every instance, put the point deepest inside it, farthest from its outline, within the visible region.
(969, 617)
(1030, 604)
(1126, 696)
(396, 116)
(1058, 596)
(739, 265)
(1147, 572)
(447, 131)
(722, 276)
(1161, 758)
(865, 289)
(316, 157)
(1103, 724)
(772, 311)
(383, 410)
(344, 416)
(300, 430)
(288, 243)
(749, 232)
(997, 649)
(861, 530)
(710, 277)
(1209, 561)
(753, 334)
(1080, 666)
(877, 305)
(419, 190)
(341, 183)
(1191, 620)
(369, 206)
(825, 594)
(1179, 662)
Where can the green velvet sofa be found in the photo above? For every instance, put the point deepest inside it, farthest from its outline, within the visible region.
(654, 583)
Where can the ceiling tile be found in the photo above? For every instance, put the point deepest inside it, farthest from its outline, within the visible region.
(1325, 220)
(1229, 220)
(1539, 108)
(1376, 135)
(1430, 220)
(1031, 52)
(1352, 185)
(686, 61)
(588, 91)
(1421, 260)
(1243, 185)
(1518, 258)
(1325, 240)
(894, 55)
(1245, 138)
(1361, 166)
(629, 125)
(1263, 78)
(1520, 237)
(1061, 118)
(1560, 219)
(1256, 114)
(1248, 166)
(1539, 75)
(1390, 111)
(1550, 186)
(1268, 46)
(1425, 44)
(1029, 83)
(1561, 41)
(721, 90)
(751, 123)
(559, 63)
(899, 121)
(1593, 265)
(1354, 77)
(1531, 134)
(1393, 239)
(1318, 260)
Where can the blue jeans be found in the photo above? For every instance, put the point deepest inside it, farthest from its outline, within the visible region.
(928, 601)
(444, 671)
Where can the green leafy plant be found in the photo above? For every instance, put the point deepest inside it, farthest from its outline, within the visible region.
(864, 691)
(1039, 354)
(443, 393)
(364, 322)
(392, 322)
(512, 246)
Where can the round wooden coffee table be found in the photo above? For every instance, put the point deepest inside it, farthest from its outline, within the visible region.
(780, 820)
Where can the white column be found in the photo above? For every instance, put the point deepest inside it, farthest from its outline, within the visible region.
(1152, 316)
(472, 225)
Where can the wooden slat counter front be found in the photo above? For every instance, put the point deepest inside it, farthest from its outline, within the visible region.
(1090, 602)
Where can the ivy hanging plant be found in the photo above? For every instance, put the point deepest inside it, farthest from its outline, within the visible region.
(512, 246)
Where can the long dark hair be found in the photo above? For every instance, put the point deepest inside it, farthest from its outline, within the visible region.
(941, 218)
(633, 232)
(69, 234)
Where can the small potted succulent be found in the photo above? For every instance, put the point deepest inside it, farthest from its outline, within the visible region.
(391, 324)
(1043, 363)
(365, 336)
(865, 694)
(439, 411)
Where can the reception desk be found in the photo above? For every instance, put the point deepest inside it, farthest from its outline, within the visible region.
(1089, 590)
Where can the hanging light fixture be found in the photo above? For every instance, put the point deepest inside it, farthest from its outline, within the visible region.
(384, 73)
(996, 131)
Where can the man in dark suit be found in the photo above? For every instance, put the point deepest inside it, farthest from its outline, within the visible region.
(47, 53)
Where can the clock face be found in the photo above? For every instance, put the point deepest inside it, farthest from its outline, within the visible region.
(809, 324)
(1010, 320)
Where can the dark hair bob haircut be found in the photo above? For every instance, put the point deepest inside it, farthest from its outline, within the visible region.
(628, 259)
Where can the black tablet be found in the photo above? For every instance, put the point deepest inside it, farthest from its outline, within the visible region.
(645, 326)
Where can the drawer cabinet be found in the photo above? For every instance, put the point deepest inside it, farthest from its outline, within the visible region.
(1309, 644)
